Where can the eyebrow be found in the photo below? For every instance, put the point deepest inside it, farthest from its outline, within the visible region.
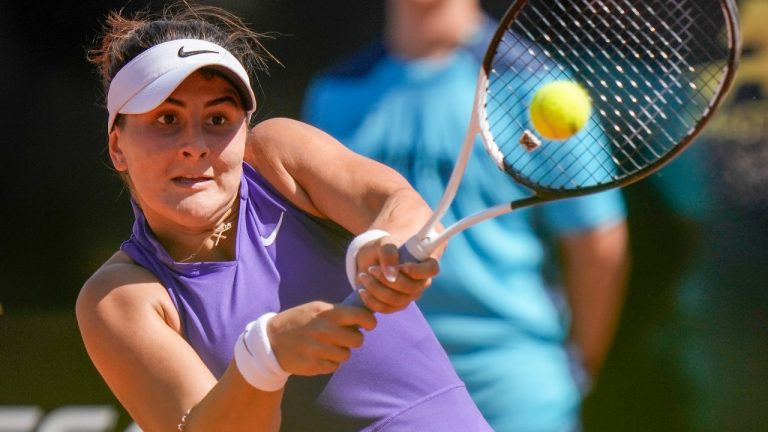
(221, 100)
(217, 101)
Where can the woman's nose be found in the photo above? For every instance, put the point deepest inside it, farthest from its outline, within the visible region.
(194, 144)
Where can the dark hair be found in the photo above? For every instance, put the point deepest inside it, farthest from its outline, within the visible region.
(124, 37)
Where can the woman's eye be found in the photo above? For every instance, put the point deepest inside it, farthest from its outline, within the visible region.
(167, 119)
(217, 120)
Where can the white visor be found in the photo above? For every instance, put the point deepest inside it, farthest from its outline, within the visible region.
(147, 80)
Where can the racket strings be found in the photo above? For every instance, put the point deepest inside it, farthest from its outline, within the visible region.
(675, 67)
(611, 25)
(572, 40)
(652, 70)
(506, 94)
(606, 63)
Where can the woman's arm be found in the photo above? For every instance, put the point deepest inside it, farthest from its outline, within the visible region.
(321, 176)
(132, 334)
(131, 331)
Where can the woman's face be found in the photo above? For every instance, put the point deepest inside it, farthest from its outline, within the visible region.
(184, 158)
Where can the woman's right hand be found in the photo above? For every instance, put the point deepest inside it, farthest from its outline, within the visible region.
(316, 338)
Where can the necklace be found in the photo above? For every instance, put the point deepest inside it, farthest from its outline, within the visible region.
(218, 234)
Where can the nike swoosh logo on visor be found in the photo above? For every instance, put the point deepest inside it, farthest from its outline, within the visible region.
(183, 53)
(267, 241)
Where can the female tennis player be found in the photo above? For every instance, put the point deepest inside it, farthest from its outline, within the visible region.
(221, 311)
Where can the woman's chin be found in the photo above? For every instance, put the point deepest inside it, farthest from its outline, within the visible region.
(202, 213)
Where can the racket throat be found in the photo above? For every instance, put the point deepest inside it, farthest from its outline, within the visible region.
(420, 247)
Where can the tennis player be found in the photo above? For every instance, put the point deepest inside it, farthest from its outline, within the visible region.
(219, 312)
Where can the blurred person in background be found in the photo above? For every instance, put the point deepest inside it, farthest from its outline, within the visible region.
(526, 305)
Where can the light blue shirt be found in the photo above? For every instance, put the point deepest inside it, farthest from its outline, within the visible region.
(491, 306)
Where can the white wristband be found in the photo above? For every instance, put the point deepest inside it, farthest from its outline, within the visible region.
(255, 359)
(354, 248)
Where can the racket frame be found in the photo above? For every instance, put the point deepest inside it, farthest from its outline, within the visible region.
(427, 239)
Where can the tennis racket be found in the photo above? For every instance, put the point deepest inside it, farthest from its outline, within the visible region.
(655, 71)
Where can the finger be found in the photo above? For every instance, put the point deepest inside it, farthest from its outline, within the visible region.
(334, 354)
(321, 367)
(389, 260)
(320, 354)
(405, 284)
(348, 336)
(376, 305)
(421, 270)
(386, 295)
(377, 272)
(353, 316)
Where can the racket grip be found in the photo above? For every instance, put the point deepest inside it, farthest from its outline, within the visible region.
(353, 299)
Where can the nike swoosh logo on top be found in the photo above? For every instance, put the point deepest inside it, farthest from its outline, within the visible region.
(267, 241)
(183, 53)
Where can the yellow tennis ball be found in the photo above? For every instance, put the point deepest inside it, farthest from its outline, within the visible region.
(560, 109)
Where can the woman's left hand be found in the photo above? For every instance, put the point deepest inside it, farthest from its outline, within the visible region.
(387, 285)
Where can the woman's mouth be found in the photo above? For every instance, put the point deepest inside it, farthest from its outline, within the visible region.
(191, 181)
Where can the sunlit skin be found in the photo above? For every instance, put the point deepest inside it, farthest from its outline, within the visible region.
(184, 160)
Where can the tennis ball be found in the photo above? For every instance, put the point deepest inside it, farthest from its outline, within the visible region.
(559, 109)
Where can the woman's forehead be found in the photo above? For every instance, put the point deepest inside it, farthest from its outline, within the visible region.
(206, 84)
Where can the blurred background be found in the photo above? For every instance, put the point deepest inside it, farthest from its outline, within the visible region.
(691, 352)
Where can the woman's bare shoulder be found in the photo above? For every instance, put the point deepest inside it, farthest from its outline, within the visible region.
(117, 271)
(122, 287)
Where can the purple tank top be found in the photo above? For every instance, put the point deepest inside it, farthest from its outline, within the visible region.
(400, 380)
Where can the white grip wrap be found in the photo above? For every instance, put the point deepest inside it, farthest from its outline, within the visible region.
(354, 248)
(255, 359)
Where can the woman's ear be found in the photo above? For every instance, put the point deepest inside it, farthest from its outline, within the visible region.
(116, 152)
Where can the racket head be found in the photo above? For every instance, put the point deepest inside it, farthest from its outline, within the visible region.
(655, 72)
